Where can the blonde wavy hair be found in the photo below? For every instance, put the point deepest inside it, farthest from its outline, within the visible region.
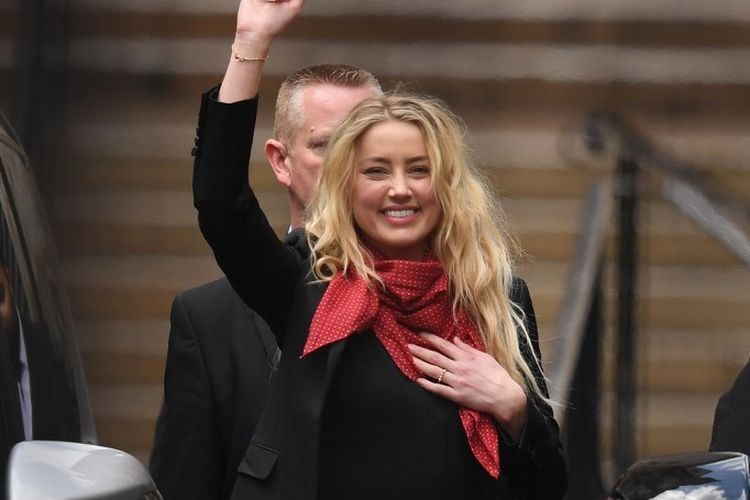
(470, 240)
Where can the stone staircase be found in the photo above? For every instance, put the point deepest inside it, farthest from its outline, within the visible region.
(520, 73)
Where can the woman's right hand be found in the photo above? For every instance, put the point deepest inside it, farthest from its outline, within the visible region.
(258, 23)
(261, 20)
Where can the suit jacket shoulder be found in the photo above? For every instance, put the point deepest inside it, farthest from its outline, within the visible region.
(219, 364)
(216, 303)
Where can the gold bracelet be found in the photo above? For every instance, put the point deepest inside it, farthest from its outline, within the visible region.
(243, 58)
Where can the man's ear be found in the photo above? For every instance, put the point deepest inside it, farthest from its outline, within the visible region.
(276, 155)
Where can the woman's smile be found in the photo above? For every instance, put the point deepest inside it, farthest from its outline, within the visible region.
(400, 215)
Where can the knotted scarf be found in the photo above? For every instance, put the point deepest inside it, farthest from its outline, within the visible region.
(414, 298)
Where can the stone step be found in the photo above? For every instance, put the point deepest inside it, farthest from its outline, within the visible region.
(108, 368)
(152, 208)
(117, 175)
(509, 182)
(159, 208)
(178, 95)
(516, 146)
(419, 27)
(104, 302)
(123, 337)
(667, 423)
(674, 282)
(555, 113)
(730, 346)
(132, 239)
(128, 400)
(507, 105)
(713, 345)
(687, 314)
(169, 272)
(546, 62)
(731, 11)
(696, 374)
(133, 272)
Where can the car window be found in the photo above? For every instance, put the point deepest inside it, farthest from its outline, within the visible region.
(42, 388)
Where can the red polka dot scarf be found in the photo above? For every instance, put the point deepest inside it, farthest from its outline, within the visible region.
(415, 299)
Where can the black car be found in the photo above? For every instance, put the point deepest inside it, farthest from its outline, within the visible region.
(698, 476)
(47, 435)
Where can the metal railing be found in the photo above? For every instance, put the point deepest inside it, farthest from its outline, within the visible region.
(575, 367)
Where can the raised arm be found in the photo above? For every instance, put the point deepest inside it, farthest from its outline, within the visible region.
(262, 270)
(258, 23)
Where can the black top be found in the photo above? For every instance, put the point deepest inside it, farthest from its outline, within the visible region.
(376, 419)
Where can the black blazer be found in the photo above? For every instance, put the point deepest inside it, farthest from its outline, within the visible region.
(274, 279)
(218, 371)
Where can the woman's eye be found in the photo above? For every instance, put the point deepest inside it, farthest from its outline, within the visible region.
(374, 171)
(319, 146)
(420, 170)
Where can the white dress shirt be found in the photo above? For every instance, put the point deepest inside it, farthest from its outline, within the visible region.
(24, 385)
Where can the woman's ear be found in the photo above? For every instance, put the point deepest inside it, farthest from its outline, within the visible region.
(276, 154)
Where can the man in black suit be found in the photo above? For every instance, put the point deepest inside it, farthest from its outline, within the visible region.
(219, 364)
(221, 354)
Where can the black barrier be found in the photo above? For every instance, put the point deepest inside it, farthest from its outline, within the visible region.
(627, 192)
(581, 432)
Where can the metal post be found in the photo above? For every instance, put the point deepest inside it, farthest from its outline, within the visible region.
(627, 190)
(39, 94)
(582, 439)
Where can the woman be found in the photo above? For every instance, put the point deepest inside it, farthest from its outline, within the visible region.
(401, 239)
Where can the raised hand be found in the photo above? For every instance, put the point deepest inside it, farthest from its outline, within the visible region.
(262, 20)
(258, 23)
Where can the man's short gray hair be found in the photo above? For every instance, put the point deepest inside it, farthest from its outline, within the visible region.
(289, 112)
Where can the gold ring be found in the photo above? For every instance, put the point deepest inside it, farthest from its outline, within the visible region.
(442, 374)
